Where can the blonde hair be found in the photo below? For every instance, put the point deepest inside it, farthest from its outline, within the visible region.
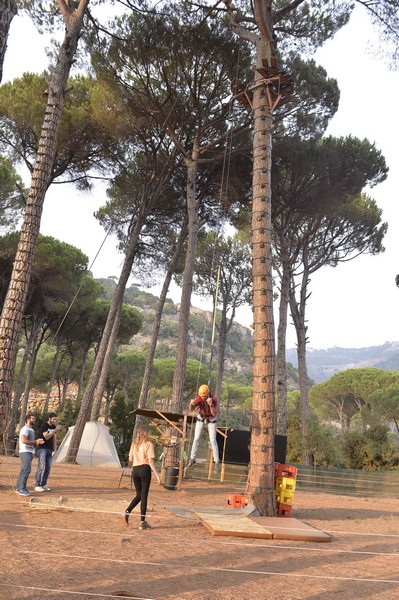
(142, 437)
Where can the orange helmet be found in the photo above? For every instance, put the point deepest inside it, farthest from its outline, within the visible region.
(204, 391)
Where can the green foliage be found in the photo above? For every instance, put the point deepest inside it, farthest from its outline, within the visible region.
(67, 417)
(12, 195)
(371, 449)
(371, 394)
(83, 144)
(131, 323)
(324, 444)
(126, 372)
(122, 424)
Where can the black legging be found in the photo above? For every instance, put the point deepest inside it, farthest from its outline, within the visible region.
(141, 480)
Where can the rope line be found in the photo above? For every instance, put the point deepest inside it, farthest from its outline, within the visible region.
(224, 542)
(160, 518)
(202, 567)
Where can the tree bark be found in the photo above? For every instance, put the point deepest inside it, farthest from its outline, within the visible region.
(15, 301)
(8, 10)
(261, 472)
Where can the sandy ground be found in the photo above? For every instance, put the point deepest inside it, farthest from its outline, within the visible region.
(82, 550)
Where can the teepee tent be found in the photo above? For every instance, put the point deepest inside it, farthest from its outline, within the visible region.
(96, 449)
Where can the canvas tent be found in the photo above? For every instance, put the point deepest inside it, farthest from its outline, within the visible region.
(97, 448)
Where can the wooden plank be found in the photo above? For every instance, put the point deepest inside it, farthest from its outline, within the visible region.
(232, 525)
(291, 529)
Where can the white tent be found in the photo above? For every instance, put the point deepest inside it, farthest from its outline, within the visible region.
(97, 448)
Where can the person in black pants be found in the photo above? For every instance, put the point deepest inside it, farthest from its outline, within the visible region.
(142, 455)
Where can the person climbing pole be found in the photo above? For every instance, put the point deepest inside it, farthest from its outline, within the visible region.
(206, 404)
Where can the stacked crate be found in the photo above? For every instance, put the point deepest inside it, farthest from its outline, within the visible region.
(237, 500)
(284, 483)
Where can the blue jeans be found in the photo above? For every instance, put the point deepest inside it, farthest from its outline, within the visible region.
(45, 459)
(26, 467)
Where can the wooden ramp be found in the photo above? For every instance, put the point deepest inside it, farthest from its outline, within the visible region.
(244, 525)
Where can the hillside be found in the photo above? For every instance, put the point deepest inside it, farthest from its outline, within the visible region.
(238, 362)
(322, 364)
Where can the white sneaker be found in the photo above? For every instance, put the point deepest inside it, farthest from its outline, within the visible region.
(46, 489)
(39, 488)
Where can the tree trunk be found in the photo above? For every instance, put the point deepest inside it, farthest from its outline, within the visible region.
(281, 352)
(185, 304)
(298, 315)
(19, 390)
(67, 381)
(8, 10)
(28, 382)
(102, 382)
(224, 328)
(14, 304)
(261, 473)
(82, 372)
(56, 362)
(157, 323)
(112, 322)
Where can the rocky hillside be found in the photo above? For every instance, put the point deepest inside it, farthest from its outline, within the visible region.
(239, 342)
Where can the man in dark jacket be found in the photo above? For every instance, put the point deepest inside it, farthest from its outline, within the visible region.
(45, 452)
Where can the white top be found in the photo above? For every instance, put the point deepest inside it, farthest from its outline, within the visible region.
(30, 434)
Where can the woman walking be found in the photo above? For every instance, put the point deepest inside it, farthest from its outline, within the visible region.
(142, 455)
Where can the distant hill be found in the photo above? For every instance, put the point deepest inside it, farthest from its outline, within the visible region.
(322, 364)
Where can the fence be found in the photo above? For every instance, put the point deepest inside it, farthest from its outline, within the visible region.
(384, 484)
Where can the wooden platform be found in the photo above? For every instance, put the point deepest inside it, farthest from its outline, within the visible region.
(245, 525)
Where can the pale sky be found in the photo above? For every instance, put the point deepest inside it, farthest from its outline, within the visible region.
(354, 305)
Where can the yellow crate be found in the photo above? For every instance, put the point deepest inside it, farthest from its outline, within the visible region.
(284, 497)
(285, 483)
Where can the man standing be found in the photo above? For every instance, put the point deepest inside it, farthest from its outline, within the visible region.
(27, 444)
(48, 432)
(207, 415)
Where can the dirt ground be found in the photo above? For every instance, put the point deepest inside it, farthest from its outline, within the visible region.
(79, 548)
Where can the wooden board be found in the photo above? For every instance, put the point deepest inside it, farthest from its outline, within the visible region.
(232, 525)
(291, 529)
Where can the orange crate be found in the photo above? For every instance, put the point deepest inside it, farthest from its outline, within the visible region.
(284, 510)
(237, 501)
(284, 471)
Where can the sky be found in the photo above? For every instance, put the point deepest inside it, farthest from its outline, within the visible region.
(353, 305)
